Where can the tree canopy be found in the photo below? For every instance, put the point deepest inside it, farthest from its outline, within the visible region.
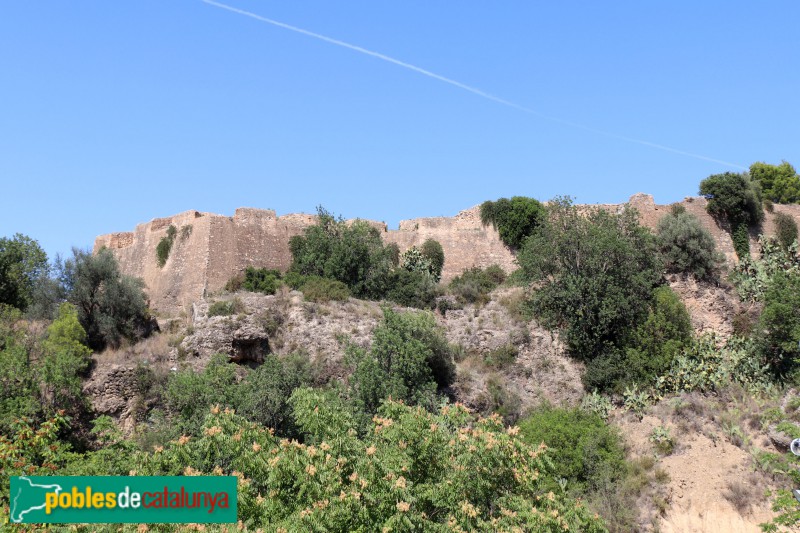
(22, 262)
(779, 183)
(513, 219)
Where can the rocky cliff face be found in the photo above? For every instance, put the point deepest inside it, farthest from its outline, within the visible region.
(209, 249)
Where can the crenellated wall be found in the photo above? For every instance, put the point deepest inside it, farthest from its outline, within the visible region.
(209, 249)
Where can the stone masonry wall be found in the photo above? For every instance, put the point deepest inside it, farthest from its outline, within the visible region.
(209, 249)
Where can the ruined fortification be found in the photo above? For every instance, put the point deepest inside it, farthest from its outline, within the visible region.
(209, 249)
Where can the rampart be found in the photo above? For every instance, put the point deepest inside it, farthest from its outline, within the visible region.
(209, 249)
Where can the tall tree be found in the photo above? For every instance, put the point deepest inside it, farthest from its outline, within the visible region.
(22, 262)
(110, 306)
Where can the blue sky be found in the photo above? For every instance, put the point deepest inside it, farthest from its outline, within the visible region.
(114, 113)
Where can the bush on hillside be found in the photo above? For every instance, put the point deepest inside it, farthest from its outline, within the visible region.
(432, 250)
(317, 289)
(752, 276)
(111, 306)
(779, 325)
(412, 470)
(686, 246)
(352, 253)
(595, 273)
(513, 219)
(412, 289)
(226, 307)
(735, 199)
(408, 360)
(785, 229)
(475, 284)
(585, 451)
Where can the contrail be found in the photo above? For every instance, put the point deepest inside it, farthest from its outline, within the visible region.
(466, 87)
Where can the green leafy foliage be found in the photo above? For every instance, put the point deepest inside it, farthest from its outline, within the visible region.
(412, 288)
(413, 470)
(432, 250)
(475, 284)
(779, 324)
(513, 219)
(741, 241)
(65, 361)
(409, 358)
(686, 246)
(735, 199)
(584, 449)
(263, 396)
(19, 388)
(190, 394)
(706, 367)
(752, 276)
(595, 273)
(785, 229)
(316, 289)
(665, 333)
(165, 245)
(261, 280)
(352, 253)
(110, 306)
(22, 264)
(226, 307)
(779, 183)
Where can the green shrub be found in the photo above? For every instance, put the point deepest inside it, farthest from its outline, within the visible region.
(261, 280)
(226, 307)
(502, 356)
(475, 284)
(734, 198)
(263, 396)
(664, 335)
(686, 246)
(316, 289)
(779, 325)
(23, 264)
(411, 471)
(785, 229)
(597, 404)
(294, 280)
(352, 253)
(165, 245)
(662, 440)
(595, 272)
(779, 183)
(432, 250)
(513, 219)
(752, 276)
(584, 449)
(412, 289)
(706, 367)
(190, 394)
(409, 358)
(111, 306)
(741, 241)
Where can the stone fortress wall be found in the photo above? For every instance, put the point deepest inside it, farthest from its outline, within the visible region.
(209, 249)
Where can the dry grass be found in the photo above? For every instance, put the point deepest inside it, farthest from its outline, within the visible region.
(154, 349)
(741, 495)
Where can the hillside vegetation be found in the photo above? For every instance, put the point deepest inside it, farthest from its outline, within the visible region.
(356, 391)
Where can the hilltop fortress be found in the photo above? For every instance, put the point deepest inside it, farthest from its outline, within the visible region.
(209, 249)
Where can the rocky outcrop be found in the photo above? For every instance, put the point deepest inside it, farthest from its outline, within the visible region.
(210, 249)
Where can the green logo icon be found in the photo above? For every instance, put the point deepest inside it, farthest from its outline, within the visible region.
(107, 499)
